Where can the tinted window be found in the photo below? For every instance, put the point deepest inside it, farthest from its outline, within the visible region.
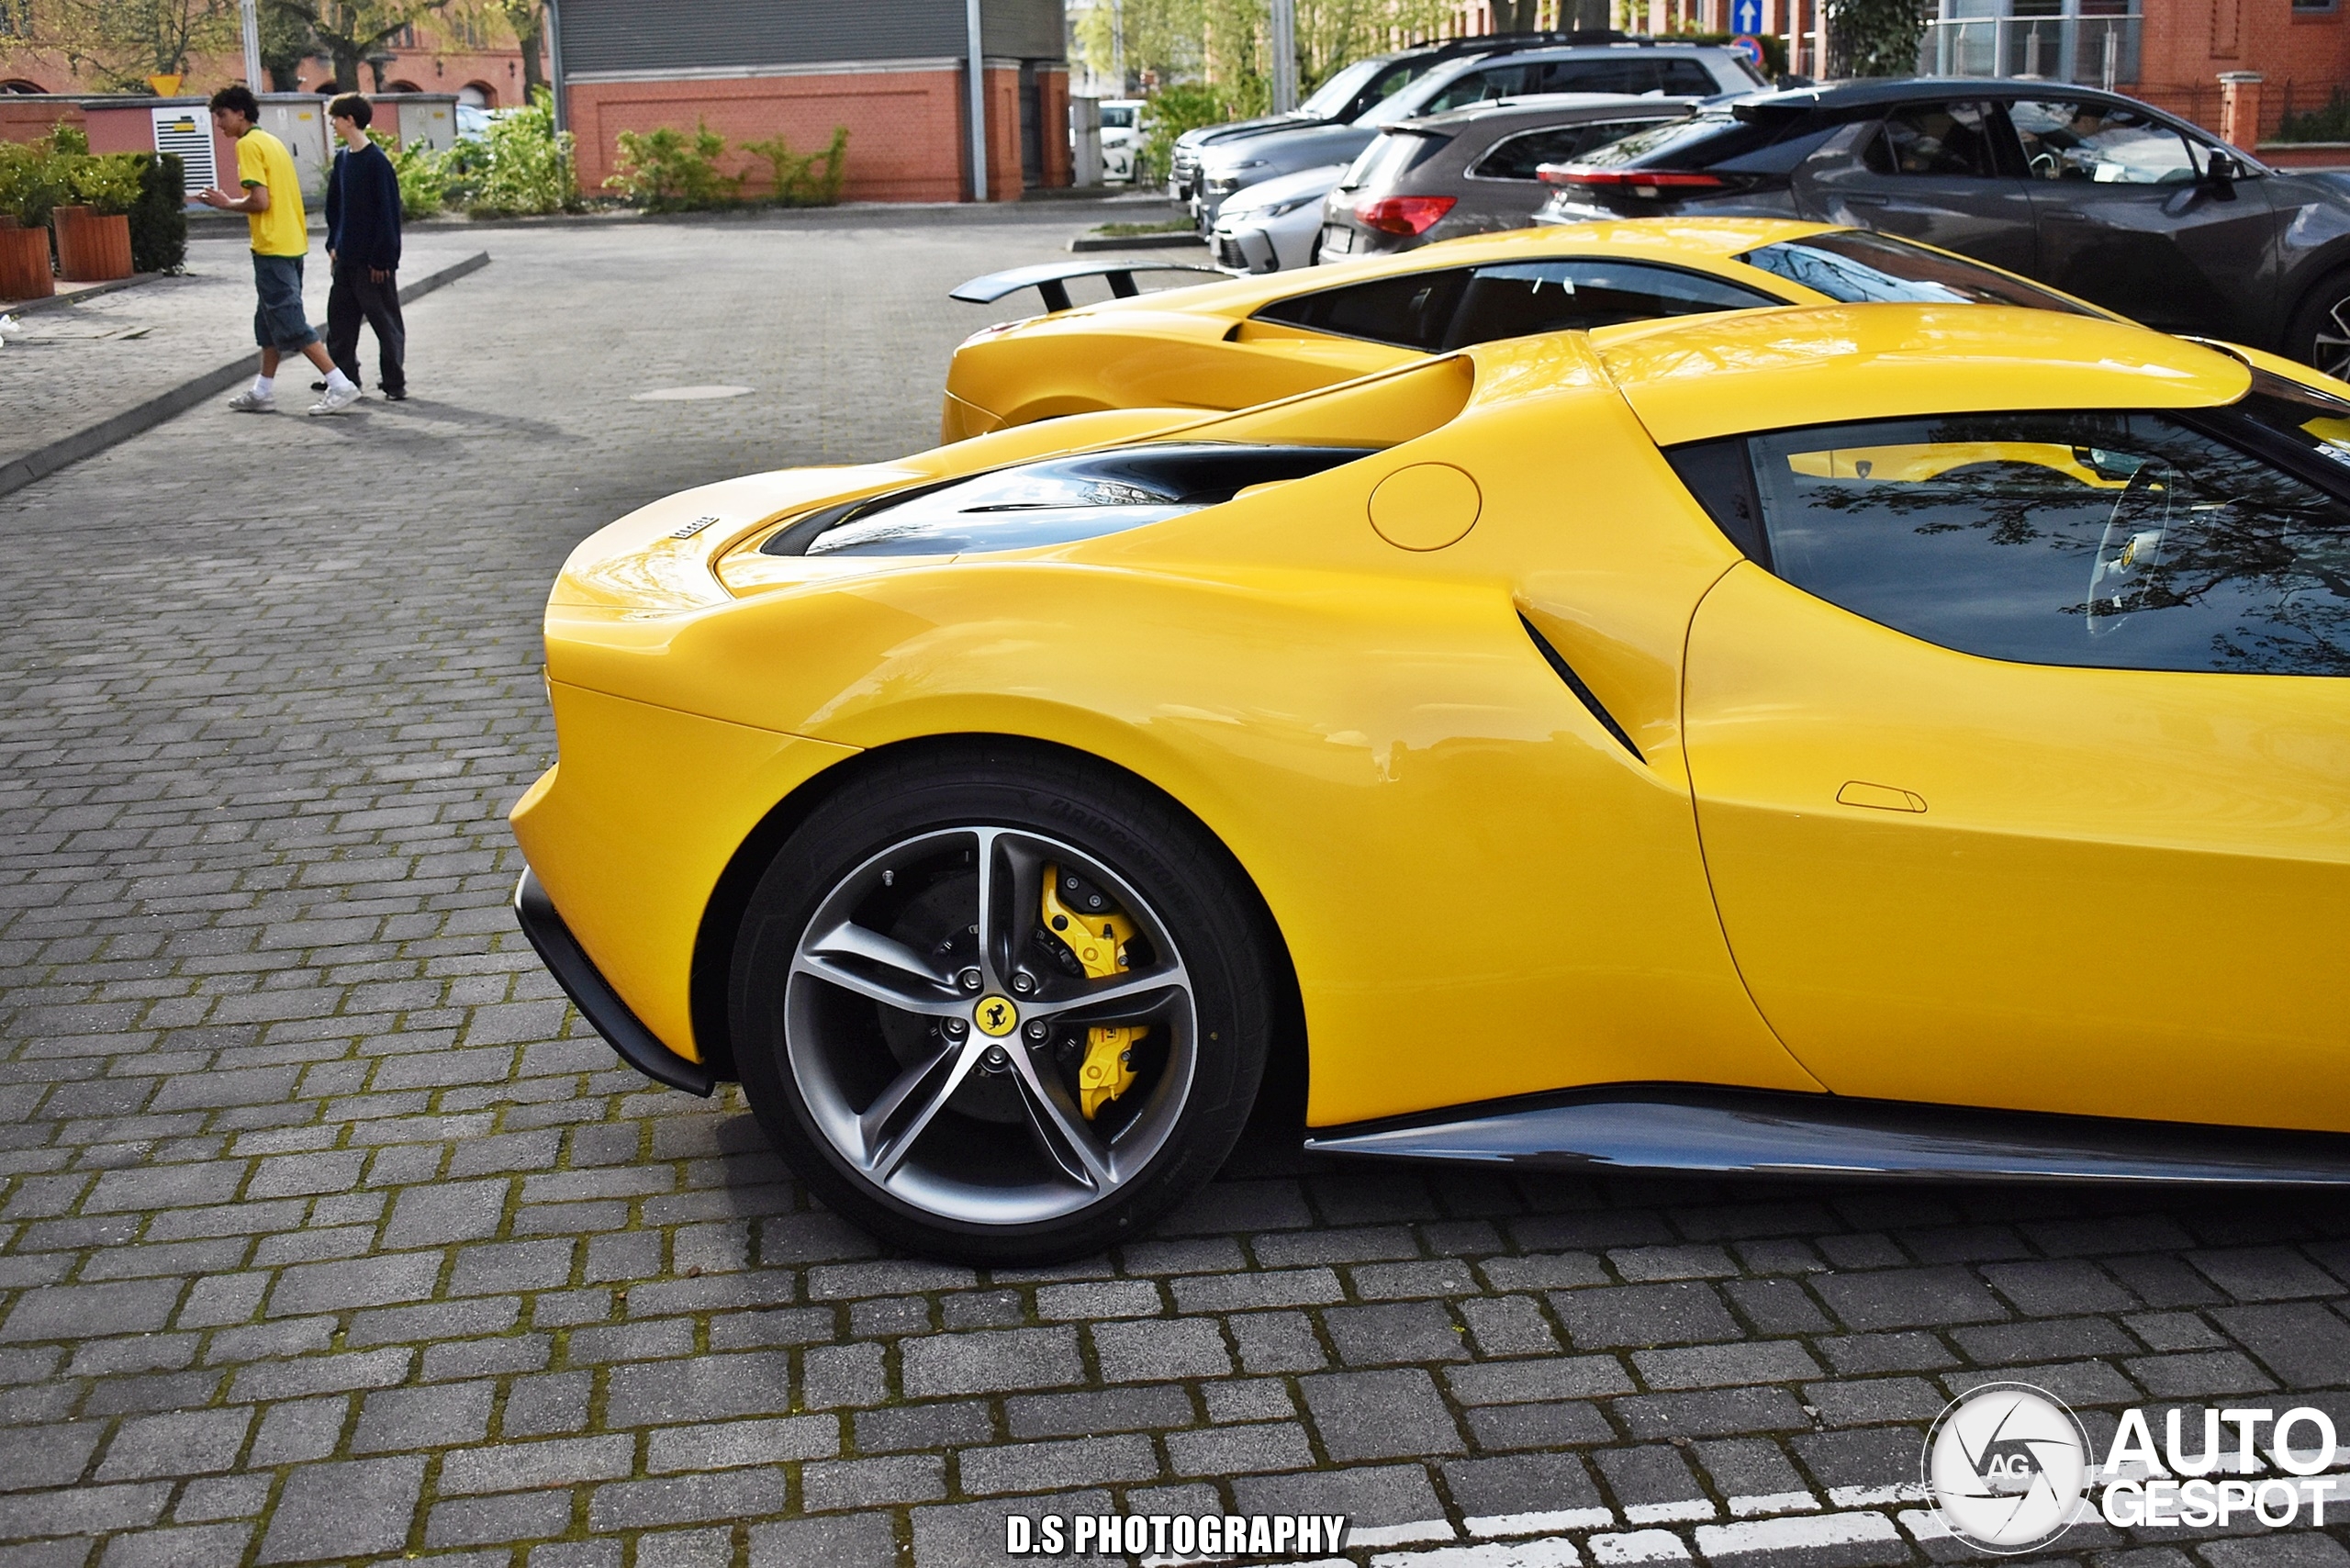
(1624, 73)
(1696, 143)
(1391, 156)
(2101, 144)
(1494, 82)
(1855, 267)
(1687, 76)
(1410, 311)
(1519, 157)
(1364, 83)
(1935, 139)
(1117, 120)
(2116, 539)
(1514, 301)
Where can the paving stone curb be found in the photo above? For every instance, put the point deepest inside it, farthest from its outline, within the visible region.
(91, 439)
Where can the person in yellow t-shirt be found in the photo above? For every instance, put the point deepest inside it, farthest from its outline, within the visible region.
(281, 237)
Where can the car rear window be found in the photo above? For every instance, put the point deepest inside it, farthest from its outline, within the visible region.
(1630, 73)
(1700, 142)
(1411, 311)
(1519, 157)
(1392, 156)
(1855, 268)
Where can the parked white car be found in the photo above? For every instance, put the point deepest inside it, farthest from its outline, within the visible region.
(1122, 133)
(1274, 227)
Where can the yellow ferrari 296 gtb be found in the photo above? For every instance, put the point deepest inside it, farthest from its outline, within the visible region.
(1227, 345)
(1886, 738)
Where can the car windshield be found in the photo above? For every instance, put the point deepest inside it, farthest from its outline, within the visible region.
(1335, 93)
(1854, 268)
(1117, 119)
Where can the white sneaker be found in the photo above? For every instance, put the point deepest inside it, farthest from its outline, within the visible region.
(250, 402)
(335, 402)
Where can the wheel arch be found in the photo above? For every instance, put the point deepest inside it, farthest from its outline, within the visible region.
(2310, 278)
(1287, 1064)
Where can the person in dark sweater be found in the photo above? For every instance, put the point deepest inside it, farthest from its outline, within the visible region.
(364, 246)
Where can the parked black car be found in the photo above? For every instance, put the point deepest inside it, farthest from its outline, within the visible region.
(1472, 171)
(2096, 194)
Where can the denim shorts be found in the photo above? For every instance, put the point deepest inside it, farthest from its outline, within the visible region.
(279, 324)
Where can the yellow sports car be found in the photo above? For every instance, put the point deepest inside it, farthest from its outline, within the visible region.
(1566, 747)
(1232, 344)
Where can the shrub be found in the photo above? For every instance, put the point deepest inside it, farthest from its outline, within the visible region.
(667, 171)
(523, 165)
(811, 179)
(159, 218)
(33, 182)
(108, 183)
(423, 175)
(2331, 123)
(1173, 111)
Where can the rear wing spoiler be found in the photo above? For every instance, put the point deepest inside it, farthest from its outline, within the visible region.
(1051, 280)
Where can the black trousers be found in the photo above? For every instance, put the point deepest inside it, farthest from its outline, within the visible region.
(353, 299)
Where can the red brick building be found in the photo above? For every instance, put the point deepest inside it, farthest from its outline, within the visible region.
(894, 71)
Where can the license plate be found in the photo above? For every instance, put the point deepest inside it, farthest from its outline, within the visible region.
(1336, 239)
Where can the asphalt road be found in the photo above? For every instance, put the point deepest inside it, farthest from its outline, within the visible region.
(328, 1233)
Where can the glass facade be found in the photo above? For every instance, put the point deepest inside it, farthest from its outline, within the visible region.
(2094, 42)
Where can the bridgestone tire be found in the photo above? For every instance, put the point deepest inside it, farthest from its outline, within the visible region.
(1195, 890)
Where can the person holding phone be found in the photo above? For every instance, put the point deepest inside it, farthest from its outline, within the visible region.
(272, 204)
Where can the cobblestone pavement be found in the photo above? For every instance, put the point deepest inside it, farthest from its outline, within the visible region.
(328, 1234)
(78, 364)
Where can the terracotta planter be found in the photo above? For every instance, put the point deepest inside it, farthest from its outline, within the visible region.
(24, 262)
(91, 247)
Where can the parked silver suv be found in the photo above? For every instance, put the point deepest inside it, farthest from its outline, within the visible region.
(1637, 66)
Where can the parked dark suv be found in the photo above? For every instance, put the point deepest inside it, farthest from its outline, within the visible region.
(2096, 194)
(1471, 170)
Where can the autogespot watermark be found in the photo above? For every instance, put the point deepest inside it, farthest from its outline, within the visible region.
(1173, 1535)
(2010, 1469)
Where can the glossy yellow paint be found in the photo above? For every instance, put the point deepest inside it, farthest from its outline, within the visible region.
(1199, 347)
(2119, 892)
(1444, 834)
(631, 828)
(1693, 378)
(1483, 892)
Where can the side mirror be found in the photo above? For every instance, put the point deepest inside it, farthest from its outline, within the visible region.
(2222, 168)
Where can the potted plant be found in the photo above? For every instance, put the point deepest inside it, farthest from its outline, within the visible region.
(94, 231)
(27, 189)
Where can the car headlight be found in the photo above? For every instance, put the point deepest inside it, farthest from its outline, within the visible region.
(1281, 208)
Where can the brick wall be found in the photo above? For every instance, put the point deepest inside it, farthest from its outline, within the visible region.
(905, 127)
(2187, 44)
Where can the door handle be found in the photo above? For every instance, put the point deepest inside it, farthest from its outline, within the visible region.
(1879, 797)
(1856, 198)
(2065, 215)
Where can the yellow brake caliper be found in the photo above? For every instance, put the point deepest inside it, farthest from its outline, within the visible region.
(1100, 943)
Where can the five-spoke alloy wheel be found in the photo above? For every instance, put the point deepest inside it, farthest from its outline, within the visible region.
(1006, 1011)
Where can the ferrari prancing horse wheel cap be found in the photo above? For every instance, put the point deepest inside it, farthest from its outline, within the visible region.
(2007, 1465)
(996, 1016)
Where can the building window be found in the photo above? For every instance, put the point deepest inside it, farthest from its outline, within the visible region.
(15, 19)
(2094, 42)
(2315, 8)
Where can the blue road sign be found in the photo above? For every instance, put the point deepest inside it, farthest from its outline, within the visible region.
(1745, 15)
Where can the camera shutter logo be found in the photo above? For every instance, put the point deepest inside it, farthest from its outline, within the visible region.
(2007, 1465)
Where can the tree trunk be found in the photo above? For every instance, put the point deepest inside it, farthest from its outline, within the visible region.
(1513, 15)
(534, 76)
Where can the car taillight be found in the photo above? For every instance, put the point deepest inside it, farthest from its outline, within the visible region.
(1403, 215)
(1632, 181)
